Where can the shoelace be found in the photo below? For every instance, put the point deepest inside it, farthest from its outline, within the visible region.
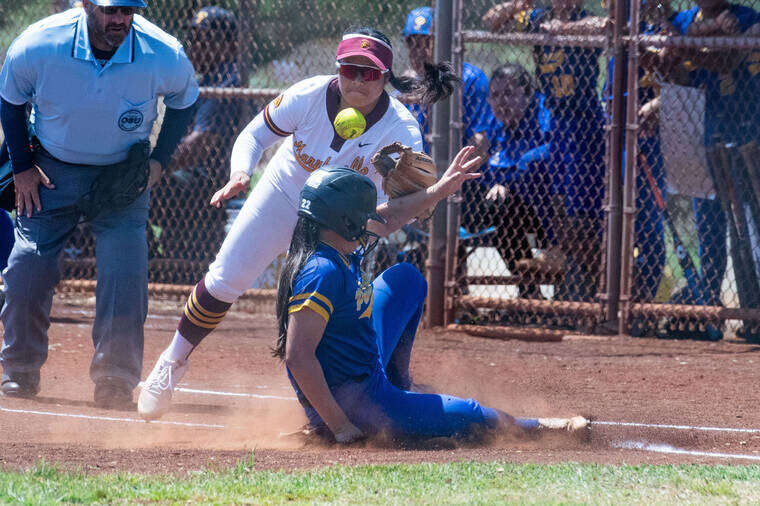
(163, 380)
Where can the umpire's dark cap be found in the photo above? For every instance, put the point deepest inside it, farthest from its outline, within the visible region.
(214, 18)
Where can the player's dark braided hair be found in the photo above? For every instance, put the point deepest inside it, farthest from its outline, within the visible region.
(437, 84)
(302, 245)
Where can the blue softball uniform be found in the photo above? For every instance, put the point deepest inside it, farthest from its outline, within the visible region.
(366, 347)
(475, 108)
(725, 106)
(567, 76)
(520, 159)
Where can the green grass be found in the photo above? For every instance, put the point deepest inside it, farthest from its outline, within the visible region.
(400, 484)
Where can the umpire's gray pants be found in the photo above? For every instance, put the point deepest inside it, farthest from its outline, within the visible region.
(33, 272)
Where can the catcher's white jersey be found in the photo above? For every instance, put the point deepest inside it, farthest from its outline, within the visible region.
(305, 112)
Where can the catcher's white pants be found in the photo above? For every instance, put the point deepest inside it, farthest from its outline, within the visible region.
(261, 231)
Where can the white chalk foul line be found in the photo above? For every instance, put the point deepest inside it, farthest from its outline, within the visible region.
(675, 427)
(661, 448)
(234, 394)
(112, 418)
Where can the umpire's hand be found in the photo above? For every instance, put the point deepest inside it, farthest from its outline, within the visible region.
(239, 181)
(27, 192)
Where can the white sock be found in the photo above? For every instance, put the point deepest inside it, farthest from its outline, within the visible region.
(179, 349)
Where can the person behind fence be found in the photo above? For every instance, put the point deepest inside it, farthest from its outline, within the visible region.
(304, 114)
(722, 74)
(186, 230)
(514, 194)
(93, 76)
(419, 36)
(567, 76)
(347, 341)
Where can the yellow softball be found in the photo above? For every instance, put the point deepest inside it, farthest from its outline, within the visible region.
(349, 123)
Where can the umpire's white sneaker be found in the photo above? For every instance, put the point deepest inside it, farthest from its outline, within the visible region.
(573, 424)
(156, 394)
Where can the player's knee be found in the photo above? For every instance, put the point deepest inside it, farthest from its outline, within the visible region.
(412, 278)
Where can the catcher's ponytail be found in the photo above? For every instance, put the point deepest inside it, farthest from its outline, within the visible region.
(435, 85)
(302, 245)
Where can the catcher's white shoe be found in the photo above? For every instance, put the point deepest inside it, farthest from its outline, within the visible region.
(156, 394)
(573, 424)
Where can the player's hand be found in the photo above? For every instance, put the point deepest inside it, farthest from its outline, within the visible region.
(348, 434)
(155, 172)
(499, 15)
(238, 182)
(461, 169)
(497, 193)
(27, 191)
(552, 26)
(481, 144)
(728, 23)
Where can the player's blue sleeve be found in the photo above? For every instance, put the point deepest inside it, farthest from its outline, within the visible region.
(530, 20)
(317, 287)
(18, 76)
(474, 100)
(745, 15)
(683, 19)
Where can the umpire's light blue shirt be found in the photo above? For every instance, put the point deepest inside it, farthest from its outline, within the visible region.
(85, 113)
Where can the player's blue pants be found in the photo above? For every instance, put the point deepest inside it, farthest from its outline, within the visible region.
(379, 403)
(33, 272)
(713, 254)
(649, 234)
(6, 238)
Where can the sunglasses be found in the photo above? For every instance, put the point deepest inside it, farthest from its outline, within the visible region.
(113, 10)
(351, 71)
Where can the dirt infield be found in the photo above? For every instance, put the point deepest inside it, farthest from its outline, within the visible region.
(236, 398)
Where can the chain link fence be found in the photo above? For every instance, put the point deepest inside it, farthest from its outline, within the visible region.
(560, 99)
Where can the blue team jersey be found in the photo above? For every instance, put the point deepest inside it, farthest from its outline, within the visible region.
(475, 108)
(566, 75)
(729, 111)
(216, 114)
(513, 150)
(333, 286)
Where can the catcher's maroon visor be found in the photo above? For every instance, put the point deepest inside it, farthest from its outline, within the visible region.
(357, 44)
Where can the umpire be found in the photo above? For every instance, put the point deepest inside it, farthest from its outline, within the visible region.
(93, 76)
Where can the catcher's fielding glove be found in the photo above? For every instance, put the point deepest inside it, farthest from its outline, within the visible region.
(411, 172)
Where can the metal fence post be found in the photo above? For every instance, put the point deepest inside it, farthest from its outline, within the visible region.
(455, 143)
(614, 169)
(631, 170)
(440, 147)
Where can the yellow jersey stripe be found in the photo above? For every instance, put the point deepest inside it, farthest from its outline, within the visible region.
(316, 295)
(314, 306)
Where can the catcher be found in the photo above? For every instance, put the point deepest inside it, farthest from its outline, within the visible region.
(347, 342)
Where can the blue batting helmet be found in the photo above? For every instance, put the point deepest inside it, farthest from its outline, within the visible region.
(340, 199)
(419, 22)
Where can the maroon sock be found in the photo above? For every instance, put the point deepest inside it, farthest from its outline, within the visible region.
(203, 312)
